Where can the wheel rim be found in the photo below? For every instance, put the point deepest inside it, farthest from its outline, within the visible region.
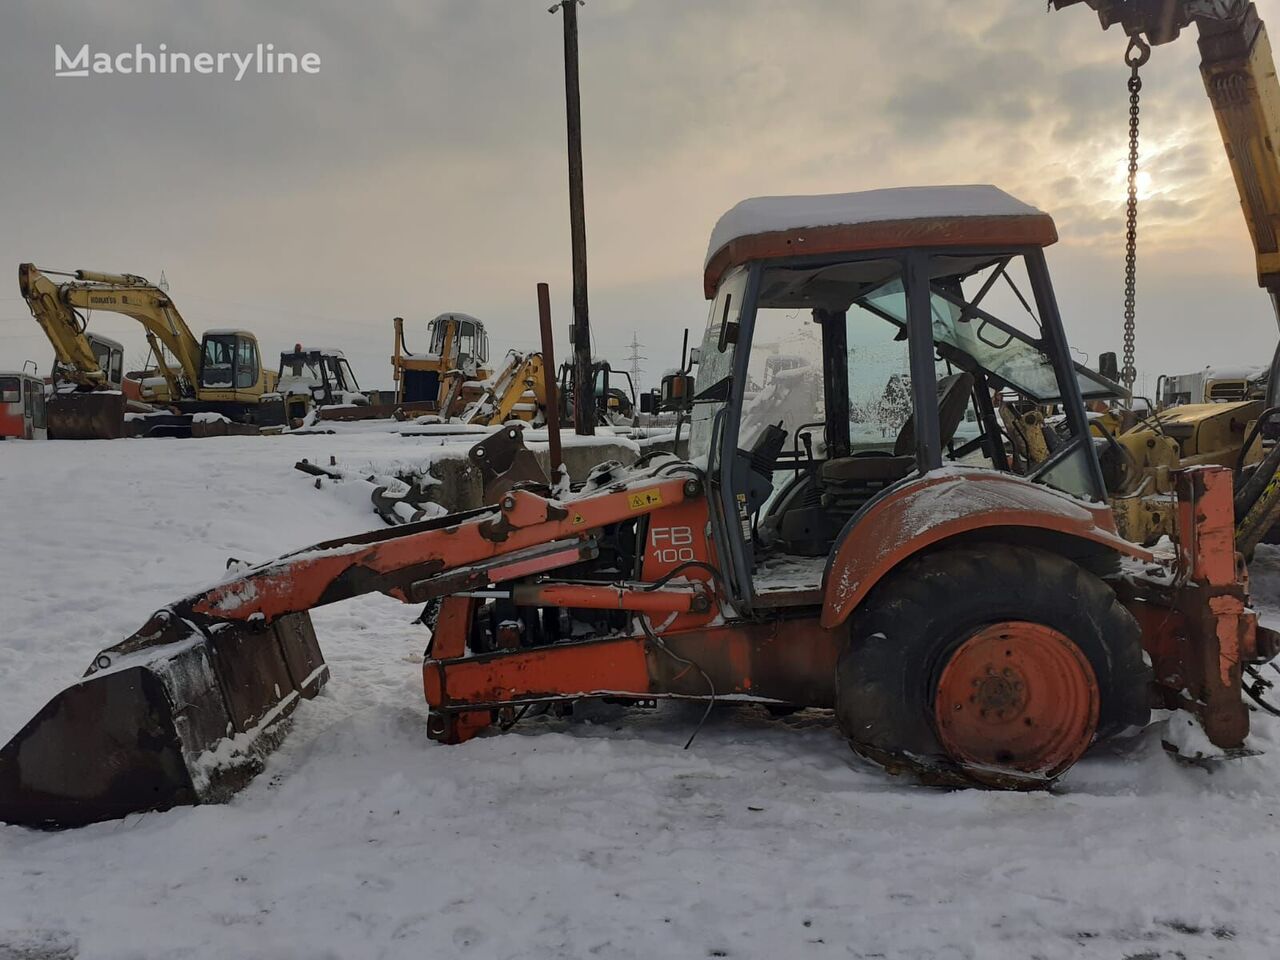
(1016, 699)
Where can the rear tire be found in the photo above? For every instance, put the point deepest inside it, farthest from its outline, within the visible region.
(989, 664)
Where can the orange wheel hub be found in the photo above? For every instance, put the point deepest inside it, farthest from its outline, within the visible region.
(1016, 698)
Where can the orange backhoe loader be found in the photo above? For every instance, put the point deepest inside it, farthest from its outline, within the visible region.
(967, 623)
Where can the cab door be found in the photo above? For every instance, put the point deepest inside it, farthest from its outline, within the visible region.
(37, 425)
(248, 370)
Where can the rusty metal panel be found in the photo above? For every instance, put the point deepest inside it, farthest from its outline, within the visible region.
(790, 661)
(252, 670)
(503, 461)
(908, 520)
(563, 670)
(86, 416)
(297, 639)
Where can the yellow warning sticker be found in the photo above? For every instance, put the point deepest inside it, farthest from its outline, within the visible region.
(577, 518)
(645, 498)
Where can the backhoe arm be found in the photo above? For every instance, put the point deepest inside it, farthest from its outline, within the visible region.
(523, 374)
(64, 327)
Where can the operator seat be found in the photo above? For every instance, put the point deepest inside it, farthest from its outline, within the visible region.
(953, 399)
(846, 484)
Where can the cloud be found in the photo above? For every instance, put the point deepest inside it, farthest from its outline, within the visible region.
(423, 168)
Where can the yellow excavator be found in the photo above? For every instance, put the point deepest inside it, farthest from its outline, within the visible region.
(1239, 75)
(221, 373)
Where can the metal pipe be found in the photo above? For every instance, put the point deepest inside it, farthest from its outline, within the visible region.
(116, 279)
(609, 596)
(549, 381)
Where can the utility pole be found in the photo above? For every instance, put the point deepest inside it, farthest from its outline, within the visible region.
(584, 411)
(635, 359)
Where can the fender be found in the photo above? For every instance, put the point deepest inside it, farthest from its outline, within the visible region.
(943, 504)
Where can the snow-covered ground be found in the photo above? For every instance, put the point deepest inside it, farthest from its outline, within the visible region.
(592, 837)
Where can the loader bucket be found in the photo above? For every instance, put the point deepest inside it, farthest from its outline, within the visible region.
(176, 714)
(86, 416)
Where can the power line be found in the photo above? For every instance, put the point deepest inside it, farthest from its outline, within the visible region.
(634, 358)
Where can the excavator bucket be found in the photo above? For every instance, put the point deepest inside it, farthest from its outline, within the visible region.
(86, 416)
(176, 714)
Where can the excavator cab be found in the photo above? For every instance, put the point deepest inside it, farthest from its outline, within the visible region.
(230, 367)
(614, 402)
(460, 338)
(110, 356)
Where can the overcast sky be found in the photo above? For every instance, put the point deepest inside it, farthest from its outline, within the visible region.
(423, 168)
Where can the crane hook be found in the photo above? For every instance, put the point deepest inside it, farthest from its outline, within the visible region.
(1137, 53)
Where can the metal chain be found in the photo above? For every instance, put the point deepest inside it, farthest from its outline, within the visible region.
(1135, 56)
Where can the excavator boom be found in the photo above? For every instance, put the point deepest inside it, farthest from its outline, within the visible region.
(87, 402)
(63, 326)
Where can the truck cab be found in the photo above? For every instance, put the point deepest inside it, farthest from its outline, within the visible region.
(22, 409)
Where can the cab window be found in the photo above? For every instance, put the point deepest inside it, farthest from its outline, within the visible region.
(216, 366)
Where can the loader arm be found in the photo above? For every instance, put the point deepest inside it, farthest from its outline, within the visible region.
(433, 558)
(64, 327)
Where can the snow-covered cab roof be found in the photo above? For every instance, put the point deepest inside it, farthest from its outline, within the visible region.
(950, 216)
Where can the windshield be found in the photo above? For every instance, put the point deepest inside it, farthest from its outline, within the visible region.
(218, 364)
(830, 366)
(298, 366)
(1008, 353)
